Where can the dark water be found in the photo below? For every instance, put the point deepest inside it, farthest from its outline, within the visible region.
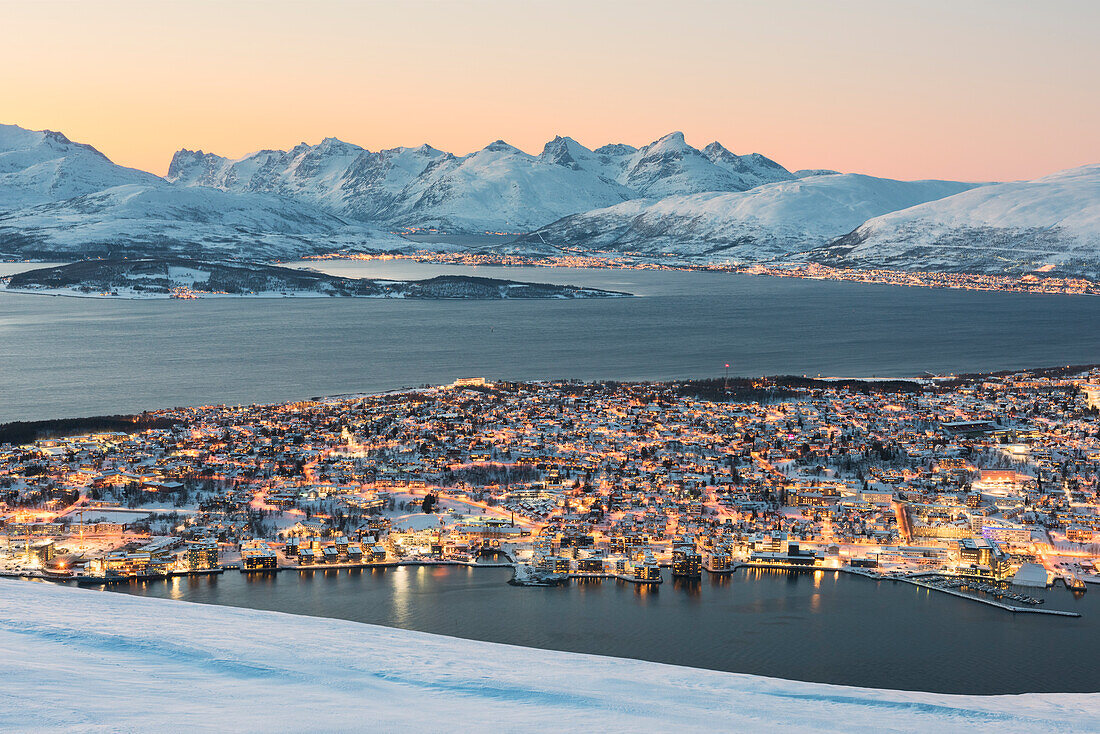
(62, 357)
(824, 627)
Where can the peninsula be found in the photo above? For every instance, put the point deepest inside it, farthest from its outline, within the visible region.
(180, 277)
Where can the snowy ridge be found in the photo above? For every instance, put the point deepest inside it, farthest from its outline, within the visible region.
(498, 188)
(765, 222)
(341, 177)
(501, 188)
(42, 166)
(670, 166)
(136, 664)
(1051, 224)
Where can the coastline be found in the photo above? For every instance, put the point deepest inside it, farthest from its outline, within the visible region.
(1038, 282)
(525, 580)
(1041, 283)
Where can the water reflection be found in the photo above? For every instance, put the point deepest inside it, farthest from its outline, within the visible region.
(690, 587)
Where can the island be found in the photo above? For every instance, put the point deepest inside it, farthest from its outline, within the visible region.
(180, 277)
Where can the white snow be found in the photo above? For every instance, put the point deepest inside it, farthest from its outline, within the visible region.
(1051, 224)
(38, 166)
(667, 198)
(669, 166)
(87, 661)
(191, 220)
(338, 176)
(498, 188)
(766, 221)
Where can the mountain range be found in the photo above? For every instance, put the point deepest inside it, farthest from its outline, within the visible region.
(499, 188)
(668, 199)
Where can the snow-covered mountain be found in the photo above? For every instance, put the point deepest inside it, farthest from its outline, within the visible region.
(38, 166)
(1050, 224)
(501, 188)
(498, 188)
(669, 167)
(341, 177)
(765, 222)
(61, 198)
(157, 219)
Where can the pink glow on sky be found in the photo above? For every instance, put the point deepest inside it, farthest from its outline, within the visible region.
(980, 90)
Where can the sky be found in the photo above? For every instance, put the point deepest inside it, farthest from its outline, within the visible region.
(971, 90)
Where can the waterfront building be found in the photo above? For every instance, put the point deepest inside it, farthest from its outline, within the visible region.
(259, 560)
(686, 562)
(647, 571)
(980, 558)
(202, 555)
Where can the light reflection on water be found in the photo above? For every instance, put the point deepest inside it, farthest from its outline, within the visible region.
(827, 627)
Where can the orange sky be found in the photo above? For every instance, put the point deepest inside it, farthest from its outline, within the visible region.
(979, 90)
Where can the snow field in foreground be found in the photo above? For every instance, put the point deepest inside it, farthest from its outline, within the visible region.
(90, 660)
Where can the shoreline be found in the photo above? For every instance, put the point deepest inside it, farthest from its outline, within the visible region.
(794, 269)
(1035, 282)
(559, 578)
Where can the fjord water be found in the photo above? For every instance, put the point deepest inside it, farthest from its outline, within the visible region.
(824, 626)
(72, 356)
(66, 357)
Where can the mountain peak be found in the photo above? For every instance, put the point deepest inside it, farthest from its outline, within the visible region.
(563, 151)
(718, 152)
(615, 149)
(499, 146)
(672, 140)
(336, 145)
(191, 166)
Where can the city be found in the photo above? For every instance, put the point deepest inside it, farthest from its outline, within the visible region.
(980, 486)
(522, 367)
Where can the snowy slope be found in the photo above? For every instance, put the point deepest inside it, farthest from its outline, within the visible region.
(764, 222)
(1003, 228)
(38, 166)
(161, 219)
(78, 660)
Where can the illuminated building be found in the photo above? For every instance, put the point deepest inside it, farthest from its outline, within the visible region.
(202, 555)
